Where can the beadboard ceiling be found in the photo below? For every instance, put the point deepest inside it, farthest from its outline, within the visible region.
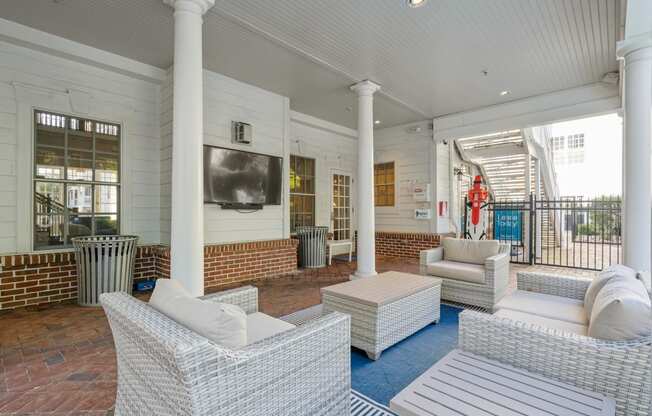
(445, 57)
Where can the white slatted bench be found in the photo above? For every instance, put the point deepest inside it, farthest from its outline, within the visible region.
(462, 383)
(336, 247)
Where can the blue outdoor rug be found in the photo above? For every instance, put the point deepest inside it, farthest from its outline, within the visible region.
(374, 383)
(399, 365)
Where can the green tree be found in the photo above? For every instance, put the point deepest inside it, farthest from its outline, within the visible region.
(604, 218)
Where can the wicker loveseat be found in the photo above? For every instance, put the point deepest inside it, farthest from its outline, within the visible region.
(619, 369)
(476, 274)
(166, 369)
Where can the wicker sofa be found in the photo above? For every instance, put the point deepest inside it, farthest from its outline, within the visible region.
(470, 279)
(165, 368)
(619, 369)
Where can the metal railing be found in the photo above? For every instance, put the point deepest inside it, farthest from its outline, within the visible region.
(46, 208)
(574, 233)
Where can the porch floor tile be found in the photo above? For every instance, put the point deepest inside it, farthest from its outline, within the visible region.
(60, 360)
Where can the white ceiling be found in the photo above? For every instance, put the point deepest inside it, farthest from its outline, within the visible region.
(429, 60)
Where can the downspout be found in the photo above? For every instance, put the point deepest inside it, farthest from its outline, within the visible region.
(451, 190)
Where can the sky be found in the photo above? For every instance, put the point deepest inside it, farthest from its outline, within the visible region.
(601, 172)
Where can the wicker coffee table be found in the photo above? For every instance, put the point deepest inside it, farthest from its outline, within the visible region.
(385, 309)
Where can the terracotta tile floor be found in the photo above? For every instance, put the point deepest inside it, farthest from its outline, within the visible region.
(60, 360)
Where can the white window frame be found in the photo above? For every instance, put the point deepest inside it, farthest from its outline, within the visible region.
(350, 206)
(120, 208)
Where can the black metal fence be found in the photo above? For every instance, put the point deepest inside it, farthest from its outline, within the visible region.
(583, 234)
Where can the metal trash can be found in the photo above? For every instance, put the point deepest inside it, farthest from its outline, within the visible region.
(105, 263)
(312, 246)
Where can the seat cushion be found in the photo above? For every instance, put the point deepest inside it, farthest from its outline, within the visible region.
(261, 326)
(546, 306)
(529, 318)
(602, 279)
(621, 311)
(386, 288)
(469, 251)
(221, 323)
(466, 272)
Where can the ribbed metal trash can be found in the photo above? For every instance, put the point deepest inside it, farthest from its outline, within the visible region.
(105, 263)
(312, 246)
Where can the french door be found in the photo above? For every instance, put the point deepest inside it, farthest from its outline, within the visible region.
(341, 213)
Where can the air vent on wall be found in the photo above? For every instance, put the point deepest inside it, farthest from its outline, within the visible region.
(240, 132)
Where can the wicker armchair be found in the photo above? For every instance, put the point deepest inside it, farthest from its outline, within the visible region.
(621, 370)
(166, 369)
(484, 295)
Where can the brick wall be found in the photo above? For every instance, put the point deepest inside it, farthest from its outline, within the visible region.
(406, 245)
(34, 279)
(232, 263)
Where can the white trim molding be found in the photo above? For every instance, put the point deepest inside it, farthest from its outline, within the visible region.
(22, 35)
(311, 121)
(584, 101)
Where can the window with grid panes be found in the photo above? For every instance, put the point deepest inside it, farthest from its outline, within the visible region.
(576, 141)
(302, 192)
(76, 179)
(341, 216)
(384, 184)
(558, 143)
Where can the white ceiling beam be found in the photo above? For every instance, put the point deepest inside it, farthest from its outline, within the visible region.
(496, 151)
(21, 35)
(592, 99)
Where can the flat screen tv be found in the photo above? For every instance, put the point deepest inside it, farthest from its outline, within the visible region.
(238, 178)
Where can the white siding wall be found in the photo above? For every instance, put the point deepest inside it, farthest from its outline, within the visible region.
(443, 189)
(334, 149)
(225, 100)
(32, 79)
(413, 155)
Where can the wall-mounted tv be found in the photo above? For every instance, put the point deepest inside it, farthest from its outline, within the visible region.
(234, 178)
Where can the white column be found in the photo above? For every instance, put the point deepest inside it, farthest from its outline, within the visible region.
(366, 250)
(538, 195)
(637, 148)
(187, 228)
(527, 179)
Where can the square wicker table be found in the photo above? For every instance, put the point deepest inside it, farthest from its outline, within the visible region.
(385, 309)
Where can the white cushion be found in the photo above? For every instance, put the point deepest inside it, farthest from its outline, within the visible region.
(261, 326)
(621, 310)
(547, 306)
(602, 279)
(466, 272)
(469, 251)
(382, 289)
(221, 323)
(529, 318)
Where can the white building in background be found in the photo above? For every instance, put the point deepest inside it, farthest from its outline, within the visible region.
(587, 156)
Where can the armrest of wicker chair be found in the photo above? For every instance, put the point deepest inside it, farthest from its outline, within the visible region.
(552, 284)
(301, 371)
(497, 271)
(245, 297)
(430, 256)
(621, 370)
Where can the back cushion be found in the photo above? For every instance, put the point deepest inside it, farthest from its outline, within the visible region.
(602, 279)
(622, 311)
(469, 251)
(222, 323)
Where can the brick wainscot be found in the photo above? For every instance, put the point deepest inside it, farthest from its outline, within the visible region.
(42, 278)
(404, 245)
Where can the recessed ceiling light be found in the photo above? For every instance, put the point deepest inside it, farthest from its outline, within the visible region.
(415, 3)
(504, 93)
(377, 122)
